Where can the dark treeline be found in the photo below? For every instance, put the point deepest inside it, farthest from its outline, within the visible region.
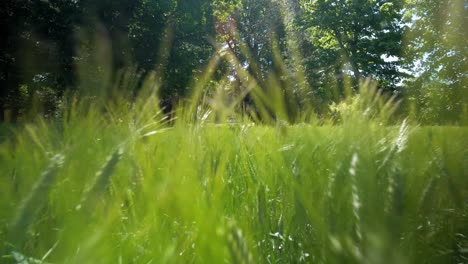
(414, 49)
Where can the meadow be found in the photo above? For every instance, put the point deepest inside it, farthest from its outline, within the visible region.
(128, 185)
(209, 131)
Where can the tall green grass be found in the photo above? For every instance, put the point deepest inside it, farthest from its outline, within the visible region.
(121, 183)
(116, 180)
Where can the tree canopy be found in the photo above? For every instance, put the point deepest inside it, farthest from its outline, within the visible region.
(412, 48)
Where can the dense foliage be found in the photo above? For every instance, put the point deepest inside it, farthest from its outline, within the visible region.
(415, 49)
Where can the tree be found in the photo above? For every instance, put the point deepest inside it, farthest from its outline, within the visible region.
(173, 38)
(64, 44)
(437, 54)
(256, 32)
(36, 49)
(366, 35)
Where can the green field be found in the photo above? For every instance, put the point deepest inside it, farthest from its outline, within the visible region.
(233, 131)
(127, 188)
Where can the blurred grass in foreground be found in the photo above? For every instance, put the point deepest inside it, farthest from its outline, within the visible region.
(115, 180)
(120, 183)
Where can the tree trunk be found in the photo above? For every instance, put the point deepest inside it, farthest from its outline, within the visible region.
(14, 114)
(350, 54)
(353, 55)
(340, 83)
(2, 113)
